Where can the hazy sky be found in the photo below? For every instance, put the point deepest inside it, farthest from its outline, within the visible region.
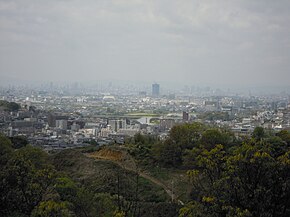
(206, 41)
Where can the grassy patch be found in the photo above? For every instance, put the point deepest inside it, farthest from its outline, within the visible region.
(146, 189)
(160, 173)
(174, 179)
(103, 176)
(140, 114)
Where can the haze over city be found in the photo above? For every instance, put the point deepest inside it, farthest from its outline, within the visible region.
(144, 108)
(231, 43)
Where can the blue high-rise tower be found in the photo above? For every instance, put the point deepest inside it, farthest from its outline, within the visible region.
(155, 89)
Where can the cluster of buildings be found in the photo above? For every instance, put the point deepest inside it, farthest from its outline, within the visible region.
(57, 121)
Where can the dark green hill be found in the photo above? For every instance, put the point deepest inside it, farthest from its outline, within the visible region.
(9, 106)
(137, 195)
(102, 176)
(68, 183)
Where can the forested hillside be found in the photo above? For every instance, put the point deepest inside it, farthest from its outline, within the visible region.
(68, 183)
(196, 171)
(229, 176)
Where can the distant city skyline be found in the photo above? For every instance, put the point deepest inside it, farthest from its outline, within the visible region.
(208, 43)
(135, 87)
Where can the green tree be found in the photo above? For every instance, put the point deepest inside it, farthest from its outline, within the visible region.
(25, 180)
(275, 146)
(285, 136)
(82, 200)
(52, 208)
(259, 133)
(18, 141)
(6, 151)
(168, 153)
(186, 135)
(9, 106)
(250, 181)
(105, 204)
(213, 136)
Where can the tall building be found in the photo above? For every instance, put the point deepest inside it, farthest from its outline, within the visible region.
(61, 124)
(185, 116)
(155, 89)
(117, 124)
(52, 118)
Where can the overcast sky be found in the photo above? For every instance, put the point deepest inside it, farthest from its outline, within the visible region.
(207, 41)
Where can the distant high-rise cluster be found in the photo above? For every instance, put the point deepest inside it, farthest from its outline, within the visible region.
(155, 89)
